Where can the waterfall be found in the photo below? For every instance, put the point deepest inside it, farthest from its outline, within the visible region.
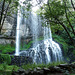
(44, 51)
(18, 33)
(19, 17)
(54, 53)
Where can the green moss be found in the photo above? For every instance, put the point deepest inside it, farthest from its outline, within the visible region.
(5, 58)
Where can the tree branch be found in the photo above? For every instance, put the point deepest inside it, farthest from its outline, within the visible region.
(72, 5)
(61, 23)
(68, 19)
(5, 14)
(71, 13)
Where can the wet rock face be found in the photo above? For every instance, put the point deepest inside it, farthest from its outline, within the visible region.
(57, 70)
(20, 60)
(9, 26)
(5, 41)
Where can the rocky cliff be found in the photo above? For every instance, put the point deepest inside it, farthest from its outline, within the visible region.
(9, 26)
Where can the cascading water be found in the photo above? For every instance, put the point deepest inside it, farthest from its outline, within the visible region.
(18, 32)
(46, 50)
(52, 49)
(19, 17)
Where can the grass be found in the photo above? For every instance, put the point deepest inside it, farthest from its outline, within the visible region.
(5, 67)
(32, 66)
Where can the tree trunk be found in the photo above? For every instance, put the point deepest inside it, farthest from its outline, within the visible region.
(5, 14)
(3, 18)
(2, 11)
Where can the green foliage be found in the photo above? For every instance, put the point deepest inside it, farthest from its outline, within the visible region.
(73, 62)
(74, 52)
(61, 18)
(72, 74)
(13, 68)
(53, 9)
(12, 56)
(32, 66)
(6, 67)
(28, 45)
(6, 48)
(5, 58)
(62, 41)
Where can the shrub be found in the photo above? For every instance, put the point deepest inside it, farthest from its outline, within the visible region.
(7, 68)
(6, 48)
(5, 58)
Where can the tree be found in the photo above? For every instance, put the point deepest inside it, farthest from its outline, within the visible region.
(9, 7)
(61, 15)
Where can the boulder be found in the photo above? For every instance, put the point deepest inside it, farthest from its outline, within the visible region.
(46, 71)
(21, 71)
(41, 72)
(38, 68)
(73, 65)
(15, 73)
(55, 69)
(65, 67)
(27, 72)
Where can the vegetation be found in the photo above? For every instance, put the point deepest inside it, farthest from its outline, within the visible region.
(6, 48)
(28, 45)
(32, 66)
(5, 58)
(61, 17)
(57, 15)
(9, 7)
(10, 68)
(5, 11)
